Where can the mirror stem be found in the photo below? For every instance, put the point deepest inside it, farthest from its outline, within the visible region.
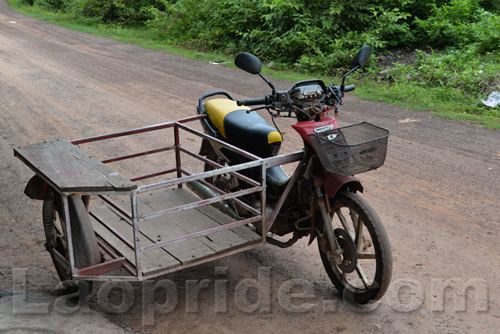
(342, 86)
(269, 83)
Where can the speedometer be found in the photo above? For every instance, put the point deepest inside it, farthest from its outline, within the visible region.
(307, 92)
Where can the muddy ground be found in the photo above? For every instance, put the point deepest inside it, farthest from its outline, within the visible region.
(438, 194)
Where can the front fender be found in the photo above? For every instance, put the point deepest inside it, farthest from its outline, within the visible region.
(335, 182)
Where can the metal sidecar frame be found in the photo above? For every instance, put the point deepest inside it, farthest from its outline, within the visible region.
(145, 230)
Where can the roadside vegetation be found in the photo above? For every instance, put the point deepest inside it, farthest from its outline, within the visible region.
(437, 55)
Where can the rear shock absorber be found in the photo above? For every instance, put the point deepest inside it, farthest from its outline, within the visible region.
(48, 222)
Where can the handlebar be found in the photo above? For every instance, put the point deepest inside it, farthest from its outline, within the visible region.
(252, 102)
(282, 99)
(349, 88)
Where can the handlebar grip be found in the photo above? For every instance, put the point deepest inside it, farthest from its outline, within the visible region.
(349, 88)
(251, 102)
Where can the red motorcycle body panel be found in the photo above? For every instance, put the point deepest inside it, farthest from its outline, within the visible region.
(307, 128)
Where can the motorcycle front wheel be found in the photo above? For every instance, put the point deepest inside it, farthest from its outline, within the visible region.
(363, 272)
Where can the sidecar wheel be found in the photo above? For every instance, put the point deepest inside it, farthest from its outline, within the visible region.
(370, 279)
(85, 245)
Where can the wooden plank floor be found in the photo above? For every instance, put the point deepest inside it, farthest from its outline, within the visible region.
(149, 260)
(172, 226)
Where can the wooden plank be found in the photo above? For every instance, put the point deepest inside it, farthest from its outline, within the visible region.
(172, 226)
(118, 182)
(191, 221)
(219, 217)
(195, 221)
(165, 228)
(103, 268)
(71, 169)
(169, 227)
(152, 261)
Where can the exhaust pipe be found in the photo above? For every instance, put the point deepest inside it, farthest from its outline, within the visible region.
(205, 192)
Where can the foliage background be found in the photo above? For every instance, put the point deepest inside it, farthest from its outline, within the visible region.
(451, 47)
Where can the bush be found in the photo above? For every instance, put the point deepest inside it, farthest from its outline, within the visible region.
(122, 12)
(308, 34)
(52, 4)
(491, 5)
(462, 23)
(458, 69)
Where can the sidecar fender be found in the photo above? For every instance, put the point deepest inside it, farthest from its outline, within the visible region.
(335, 182)
(36, 189)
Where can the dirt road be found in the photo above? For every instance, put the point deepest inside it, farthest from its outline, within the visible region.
(438, 193)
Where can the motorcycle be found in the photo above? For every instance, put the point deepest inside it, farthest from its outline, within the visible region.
(135, 230)
(321, 200)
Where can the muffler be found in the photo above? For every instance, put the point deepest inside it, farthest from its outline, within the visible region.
(205, 192)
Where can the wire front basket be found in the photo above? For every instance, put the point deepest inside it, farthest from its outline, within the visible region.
(352, 149)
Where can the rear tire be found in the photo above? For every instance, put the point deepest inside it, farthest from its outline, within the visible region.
(85, 248)
(372, 275)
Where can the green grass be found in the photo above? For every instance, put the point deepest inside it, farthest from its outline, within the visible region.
(445, 102)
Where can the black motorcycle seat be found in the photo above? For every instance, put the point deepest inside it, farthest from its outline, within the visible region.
(246, 130)
(250, 132)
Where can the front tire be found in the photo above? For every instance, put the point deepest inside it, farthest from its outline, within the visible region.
(370, 279)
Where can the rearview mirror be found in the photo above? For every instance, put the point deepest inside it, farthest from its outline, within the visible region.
(362, 57)
(248, 62)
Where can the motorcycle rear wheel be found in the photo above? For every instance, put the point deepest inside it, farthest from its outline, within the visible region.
(85, 247)
(370, 279)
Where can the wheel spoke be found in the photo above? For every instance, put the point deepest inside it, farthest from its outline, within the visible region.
(356, 218)
(359, 234)
(361, 274)
(344, 223)
(58, 230)
(366, 256)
